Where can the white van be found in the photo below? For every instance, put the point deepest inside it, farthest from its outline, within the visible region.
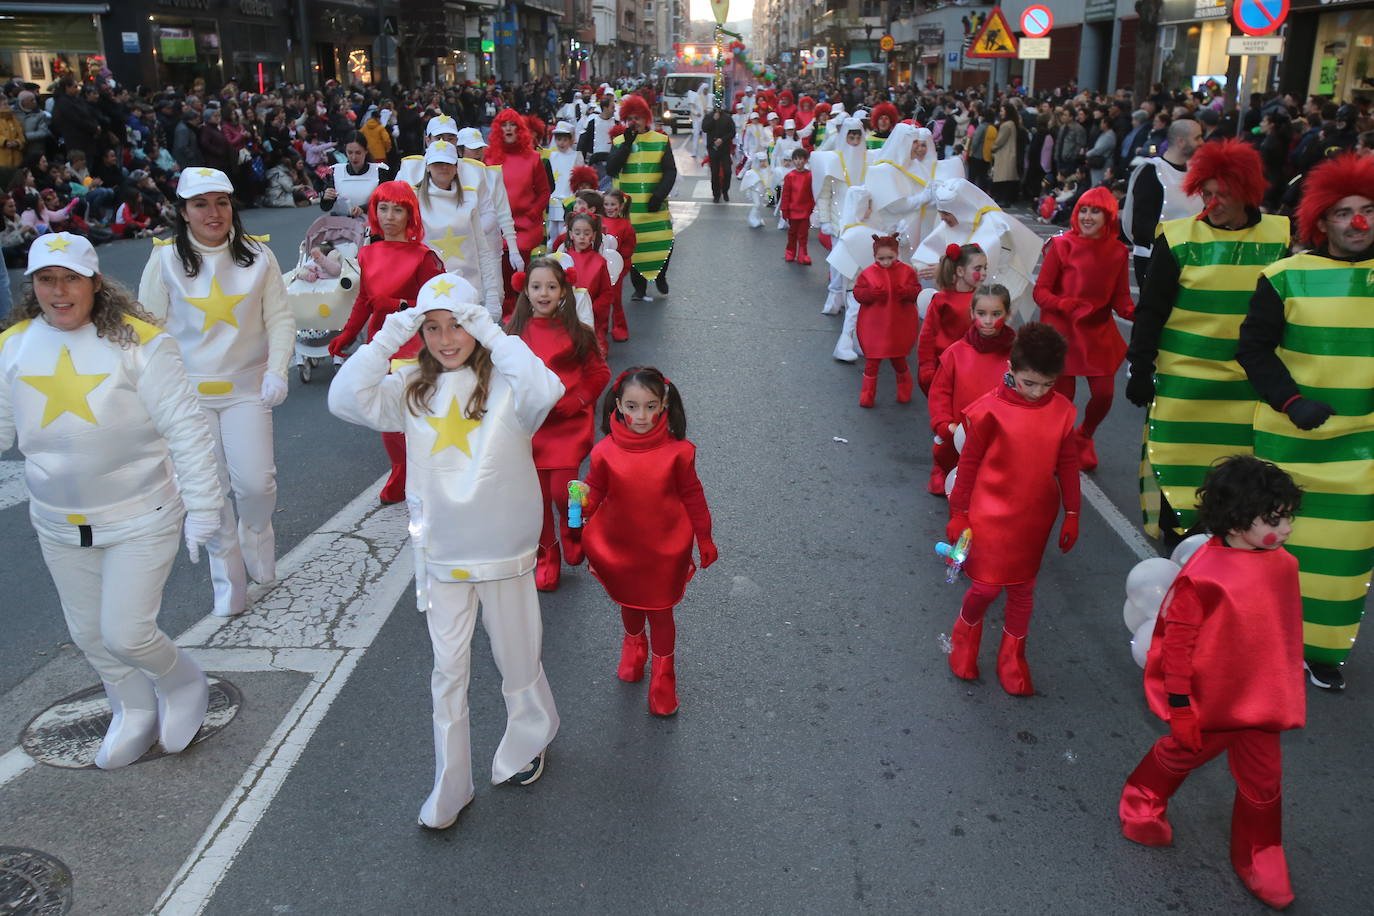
(672, 99)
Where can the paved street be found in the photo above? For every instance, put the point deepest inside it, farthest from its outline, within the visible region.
(824, 760)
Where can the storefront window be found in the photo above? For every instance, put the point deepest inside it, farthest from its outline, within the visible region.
(360, 65)
(1343, 60)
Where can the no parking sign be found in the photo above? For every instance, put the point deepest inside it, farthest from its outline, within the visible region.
(1259, 17)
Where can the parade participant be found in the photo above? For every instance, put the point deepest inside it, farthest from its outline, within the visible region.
(756, 183)
(527, 189)
(219, 292)
(1225, 671)
(903, 176)
(813, 132)
(1155, 193)
(698, 103)
(754, 140)
(391, 271)
(584, 245)
(720, 137)
(439, 127)
(117, 452)
(562, 159)
(850, 254)
(787, 106)
(1018, 464)
(969, 368)
(1305, 355)
(883, 119)
(806, 112)
(595, 141)
(644, 508)
(545, 318)
(1183, 344)
(833, 173)
(887, 322)
(583, 178)
(798, 202)
(1084, 278)
(947, 319)
(642, 164)
(618, 226)
(780, 161)
(352, 181)
(468, 410)
(498, 224)
(453, 224)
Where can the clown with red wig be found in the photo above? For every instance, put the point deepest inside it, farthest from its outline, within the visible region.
(1182, 352)
(527, 184)
(1306, 347)
(642, 165)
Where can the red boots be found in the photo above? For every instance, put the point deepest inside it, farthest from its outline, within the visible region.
(662, 686)
(905, 384)
(803, 256)
(789, 255)
(1145, 802)
(869, 392)
(1087, 451)
(548, 568)
(1257, 849)
(634, 652)
(935, 486)
(963, 654)
(1012, 670)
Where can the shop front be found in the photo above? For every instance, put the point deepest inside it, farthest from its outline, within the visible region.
(1192, 46)
(42, 42)
(1342, 65)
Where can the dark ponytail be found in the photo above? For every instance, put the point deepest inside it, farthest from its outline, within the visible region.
(657, 384)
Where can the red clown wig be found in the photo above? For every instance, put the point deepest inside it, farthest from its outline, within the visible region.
(1324, 187)
(1103, 200)
(635, 105)
(539, 131)
(1235, 166)
(583, 176)
(822, 109)
(884, 110)
(396, 192)
(498, 149)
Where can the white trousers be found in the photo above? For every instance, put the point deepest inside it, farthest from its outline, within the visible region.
(847, 347)
(243, 451)
(834, 293)
(696, 136)
(510, 615)
(111, 591)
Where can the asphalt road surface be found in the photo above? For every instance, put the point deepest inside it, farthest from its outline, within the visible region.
(824, 760)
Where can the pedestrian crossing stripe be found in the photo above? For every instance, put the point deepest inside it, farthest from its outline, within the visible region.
(994, 39)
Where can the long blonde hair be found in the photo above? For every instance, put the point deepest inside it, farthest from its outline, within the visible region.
(113, 303)
(420, 388)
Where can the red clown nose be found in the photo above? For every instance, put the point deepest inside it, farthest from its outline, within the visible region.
(1359, 222)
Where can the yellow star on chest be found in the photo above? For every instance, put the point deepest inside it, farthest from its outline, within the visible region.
(448, 244)
(452, 429)
(66, 389)
(217, 305)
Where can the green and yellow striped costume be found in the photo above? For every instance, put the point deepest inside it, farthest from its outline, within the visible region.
(640, 177)
(1204, 404)
(1328, 348)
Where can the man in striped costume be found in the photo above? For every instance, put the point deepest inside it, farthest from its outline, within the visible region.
(1182, 354)
(642, 164)
(1307, 344)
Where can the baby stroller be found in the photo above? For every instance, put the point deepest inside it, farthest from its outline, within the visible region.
(321, 306)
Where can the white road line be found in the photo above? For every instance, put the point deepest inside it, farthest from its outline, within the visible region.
(1136, 542)
(13, 763)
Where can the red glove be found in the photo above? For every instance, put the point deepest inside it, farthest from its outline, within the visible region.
(1068, 532)
(338, 345)
(958, 521)
(708, 552)
(1183, 725)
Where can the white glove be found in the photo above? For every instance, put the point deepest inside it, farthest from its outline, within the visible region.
(920, 199)
(274, 389)
(517, 263)
(199, 527)
(476, 320)
(827, 229)
(399, 328)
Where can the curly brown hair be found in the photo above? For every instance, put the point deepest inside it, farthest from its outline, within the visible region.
(113, 303)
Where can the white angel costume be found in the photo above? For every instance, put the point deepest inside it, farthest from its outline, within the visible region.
(756, 183)
(780, 161)
(851, 253)
(473, 496)
(833, 173)
(698, 103)
(453, 228)
(903, 185)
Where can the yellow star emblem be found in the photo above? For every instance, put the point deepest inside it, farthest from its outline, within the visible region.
(66, 390)
(449, 245)
(217, 305)
(452, 429)
(440, 145)
(57, 243)
(205, 173)
(442, 287)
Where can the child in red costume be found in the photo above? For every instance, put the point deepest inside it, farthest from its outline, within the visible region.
(888, 323)
(947, 319)
(969, 369)
(806, 110)
(644, 508)
(545, 318)
(584, 245)
(527, 187)
(798, 200)
(1225, 671)
(787, 107)
(618, 224)
(1019, 462)
(1083, 279)
(391, 271)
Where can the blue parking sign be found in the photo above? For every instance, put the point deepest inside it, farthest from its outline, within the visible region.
(953, 57)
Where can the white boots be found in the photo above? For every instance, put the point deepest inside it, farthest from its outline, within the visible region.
(259, 550)
(133, 730)
(183, 696)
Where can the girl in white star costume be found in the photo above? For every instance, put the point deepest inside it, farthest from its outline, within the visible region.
(469, 409)
(453, 224)
(757, 180)
(833, 173)
(851, 255)
(498, 225)
(117, 452)
(902, 182)
(220, 293)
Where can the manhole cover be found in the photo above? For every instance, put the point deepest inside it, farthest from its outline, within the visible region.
(68, 733)
(33, 883)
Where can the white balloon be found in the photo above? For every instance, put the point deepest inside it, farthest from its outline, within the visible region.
(1134, 614)
(1140, 642)
(1147, 583)
(959, 438)
(923, 301)
(949, 481)
(1187, 547)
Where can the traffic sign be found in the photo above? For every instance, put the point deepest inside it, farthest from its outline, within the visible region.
(1254, 45)
(1037, 21)
(994, 39)
(820, 55)
(953, 57)
(1260, 17)
(887, 43)
(1034, 49)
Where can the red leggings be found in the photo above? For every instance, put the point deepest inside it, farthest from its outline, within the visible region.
(662, 630)
(1101, 388)
(394, 490)
(1255, 757)
(797, 232)
(898, 363)
(1020, 603)
(553, 488)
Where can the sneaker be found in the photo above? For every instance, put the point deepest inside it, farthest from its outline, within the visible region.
(661, 281)
(638, 298)
(530, 773)
(1325, 676)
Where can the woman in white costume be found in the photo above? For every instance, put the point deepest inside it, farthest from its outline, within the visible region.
(833, 173)
(412, 168)
(851, 254)
(469, 409)
(351, 183)
(902, 181)
(968, 216)
(453, 224)
(220, 293)
(563, 158)
(116, 453)
(698, 103)
(498, 225)
(756, 183)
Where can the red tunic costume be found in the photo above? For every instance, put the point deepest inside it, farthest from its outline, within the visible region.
(947, 320)
(593, 276)
(969, 369)
(1082, 281)
(1019, 462)
(798, 200)
(644, 507)
(806, 110)
(888, 321)
(527, 182)
(625, 240)
(565, 438)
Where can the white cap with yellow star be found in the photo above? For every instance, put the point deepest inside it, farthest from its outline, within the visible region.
(198, 180)
(563, 127)
(447, 291)
(441, 124)
(471, 138)
(441, 151)
(62, 249)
